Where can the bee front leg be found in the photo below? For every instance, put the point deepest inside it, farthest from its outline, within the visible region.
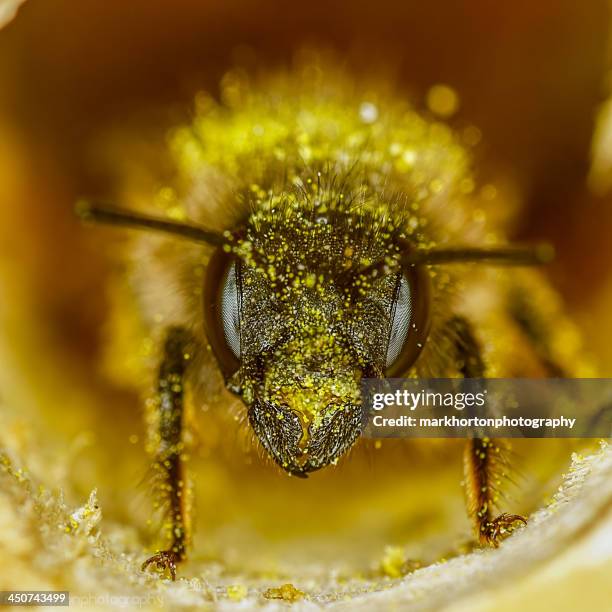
(484, 459)
(484, 467)
(170, 477)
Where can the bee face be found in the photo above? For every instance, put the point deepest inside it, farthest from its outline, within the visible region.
(297, 316)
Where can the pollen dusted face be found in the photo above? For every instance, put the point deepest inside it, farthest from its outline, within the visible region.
(303, 320)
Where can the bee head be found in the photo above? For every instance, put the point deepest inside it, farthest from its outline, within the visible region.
(295, 326)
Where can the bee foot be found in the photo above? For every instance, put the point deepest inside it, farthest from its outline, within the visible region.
(164, 560)
(500, 528)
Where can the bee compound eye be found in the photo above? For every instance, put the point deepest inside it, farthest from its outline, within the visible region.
(230, 309)
(222, 308)
(400, 320)
(410, 321)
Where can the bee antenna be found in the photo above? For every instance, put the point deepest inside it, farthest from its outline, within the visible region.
(93, 212)
(505, 255)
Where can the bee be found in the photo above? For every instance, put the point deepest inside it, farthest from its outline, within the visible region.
(322, 234)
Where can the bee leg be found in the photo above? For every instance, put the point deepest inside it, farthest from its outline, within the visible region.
(484, 465)
(537, 329)
(170, 476)
(546, 330)
(550, 334)
(483, 460)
